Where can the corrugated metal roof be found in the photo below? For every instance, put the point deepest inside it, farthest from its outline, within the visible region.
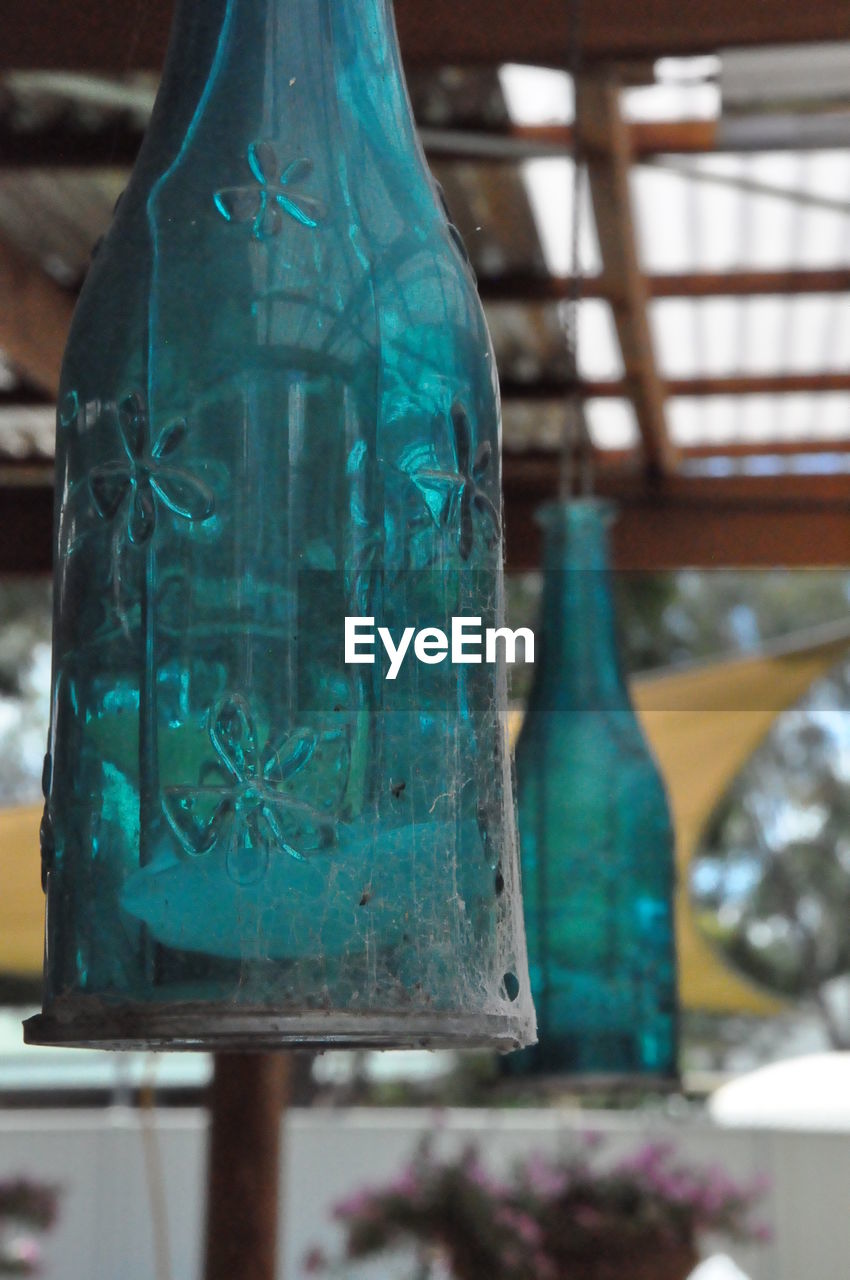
(698, 213)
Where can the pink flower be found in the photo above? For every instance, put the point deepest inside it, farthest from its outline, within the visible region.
(478, 1175)
(314, 1262)
(543, 1179)
(544, 1267)
(24, 1251)
(650, 1160)
(405, 1184)
(357, 1205)
(523, 1224)
(588, 1217)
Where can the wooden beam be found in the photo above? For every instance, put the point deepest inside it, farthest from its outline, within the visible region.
(103, 35)
(607, 151)
(35, 314)
(467, 141)
(650, 139)
(734, 284)
(646, 138)
(66, 145)
(537, 31)
(764, 385)
(740, 522)
(729, 459)
(23, 395)
(537, 470)
(734, 385)
(26, 521)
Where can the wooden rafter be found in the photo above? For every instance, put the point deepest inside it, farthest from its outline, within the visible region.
(34, 317)
(607, 151)
(107, 36)
(530, 288)
(694, 521)
(26, 518)
(777, 384)
(649, 139)
(516, 142)
(68, 145)
(773, 384)
(736, 456)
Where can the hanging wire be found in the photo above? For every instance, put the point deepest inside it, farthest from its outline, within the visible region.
(576, 460)
(154, 1173)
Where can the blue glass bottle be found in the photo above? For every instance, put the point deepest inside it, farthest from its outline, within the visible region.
(279, 409)
(595, 834)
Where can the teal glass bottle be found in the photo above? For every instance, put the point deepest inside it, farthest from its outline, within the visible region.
(279, 410)
(595, 833)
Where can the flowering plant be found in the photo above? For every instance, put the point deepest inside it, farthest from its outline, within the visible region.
(24, 1207)
(563, 1219)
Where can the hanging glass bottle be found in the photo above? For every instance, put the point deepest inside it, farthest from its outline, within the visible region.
(595, 833)
(278, 410)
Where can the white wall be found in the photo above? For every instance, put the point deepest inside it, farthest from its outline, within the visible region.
(108, 1168)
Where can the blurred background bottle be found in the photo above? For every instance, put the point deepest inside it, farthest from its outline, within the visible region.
(595, 834)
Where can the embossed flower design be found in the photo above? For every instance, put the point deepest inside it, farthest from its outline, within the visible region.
(460, 493)
(132, 489)
(274, 195)
(252, 810)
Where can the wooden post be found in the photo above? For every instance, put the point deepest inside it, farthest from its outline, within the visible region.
(249, 1095)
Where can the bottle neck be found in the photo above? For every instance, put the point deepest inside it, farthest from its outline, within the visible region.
(579, 665)
(275, 66)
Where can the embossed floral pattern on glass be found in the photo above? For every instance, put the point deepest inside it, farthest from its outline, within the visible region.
(456, 497)
(276, 193)
(255, 810)
(133, 487)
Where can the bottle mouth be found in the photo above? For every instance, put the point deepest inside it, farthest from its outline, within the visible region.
(574, 514)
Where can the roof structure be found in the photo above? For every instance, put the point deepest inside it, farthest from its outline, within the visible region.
(714, 318)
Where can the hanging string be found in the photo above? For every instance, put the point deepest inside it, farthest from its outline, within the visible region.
(576, 460)
(154, 1172)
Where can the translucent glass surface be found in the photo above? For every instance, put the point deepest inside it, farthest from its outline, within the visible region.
(595, 833)
(278, 409)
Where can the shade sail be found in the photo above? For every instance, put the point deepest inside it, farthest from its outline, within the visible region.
(21, 899)
(704, 723)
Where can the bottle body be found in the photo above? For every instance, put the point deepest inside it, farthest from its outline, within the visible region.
(279, 410)
(595, 834)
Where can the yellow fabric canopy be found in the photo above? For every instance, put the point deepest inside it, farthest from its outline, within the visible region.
(703, 723)
(21, 899)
